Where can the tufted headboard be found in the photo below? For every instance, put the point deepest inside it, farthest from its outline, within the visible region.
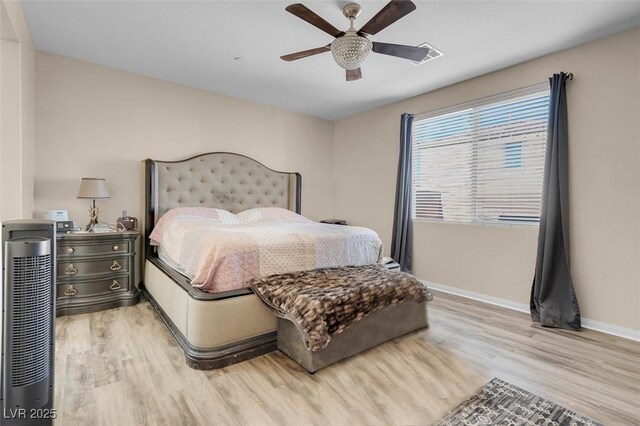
(222, 180)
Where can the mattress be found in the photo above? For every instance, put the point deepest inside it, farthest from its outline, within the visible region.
(226, 256)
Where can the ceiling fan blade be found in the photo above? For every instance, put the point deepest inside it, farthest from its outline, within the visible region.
(389, 14)
(354, 74)
(407, 52)
(306, 14)
(305, 53)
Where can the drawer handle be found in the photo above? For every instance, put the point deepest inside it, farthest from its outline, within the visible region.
(71, 270)
(116, 266)
(115, 285)
(69, 250)
(70, 291)
(116, 248)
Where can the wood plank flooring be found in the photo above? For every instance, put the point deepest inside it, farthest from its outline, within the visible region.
(122, 367)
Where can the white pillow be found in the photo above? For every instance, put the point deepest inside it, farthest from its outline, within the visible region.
(220, 216)
(271, 214)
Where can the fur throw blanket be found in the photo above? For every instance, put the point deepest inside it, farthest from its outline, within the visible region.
(324, 302)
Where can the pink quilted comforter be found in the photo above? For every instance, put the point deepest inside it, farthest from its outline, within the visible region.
(226, 256)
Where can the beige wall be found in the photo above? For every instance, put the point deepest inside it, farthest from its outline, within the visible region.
(17, 150)
(96, 121)
(604, 117)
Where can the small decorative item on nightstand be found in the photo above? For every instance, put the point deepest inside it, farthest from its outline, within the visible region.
(334, 221)
(127, 222)
(95, 271)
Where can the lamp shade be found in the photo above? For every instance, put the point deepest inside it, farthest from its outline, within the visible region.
(93, 188)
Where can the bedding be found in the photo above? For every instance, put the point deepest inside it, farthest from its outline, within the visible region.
(271, 214)
(214, 215)
(225, 254)
(324, 302)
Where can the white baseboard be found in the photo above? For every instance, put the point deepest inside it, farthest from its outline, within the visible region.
(603, 327)
(615, 330)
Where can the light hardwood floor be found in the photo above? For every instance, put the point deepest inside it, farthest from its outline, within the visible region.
(122, 367)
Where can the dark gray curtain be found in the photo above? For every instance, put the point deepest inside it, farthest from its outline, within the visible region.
(553, 300)
(401, 239)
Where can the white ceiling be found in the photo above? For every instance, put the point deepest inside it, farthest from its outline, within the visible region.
(195, 42)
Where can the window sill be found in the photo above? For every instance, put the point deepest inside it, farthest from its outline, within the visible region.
(533, 225)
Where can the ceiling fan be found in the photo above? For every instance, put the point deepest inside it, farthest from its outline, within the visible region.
(350, 48)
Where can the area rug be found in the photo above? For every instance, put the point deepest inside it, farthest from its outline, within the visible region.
(501, 403)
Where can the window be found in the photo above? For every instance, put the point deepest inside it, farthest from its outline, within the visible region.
(482, 162)
(512, 155)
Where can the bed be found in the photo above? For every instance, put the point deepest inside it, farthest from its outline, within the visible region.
(215, 329)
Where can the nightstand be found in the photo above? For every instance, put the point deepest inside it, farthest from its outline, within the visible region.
(95, 271)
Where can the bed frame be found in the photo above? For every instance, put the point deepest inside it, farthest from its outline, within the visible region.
(213, 329)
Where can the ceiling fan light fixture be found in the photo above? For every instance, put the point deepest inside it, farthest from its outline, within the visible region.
(351, 50)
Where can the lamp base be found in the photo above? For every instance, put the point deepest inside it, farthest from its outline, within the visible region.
(93, 216)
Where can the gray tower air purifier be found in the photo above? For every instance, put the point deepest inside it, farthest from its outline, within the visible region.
(27, 322)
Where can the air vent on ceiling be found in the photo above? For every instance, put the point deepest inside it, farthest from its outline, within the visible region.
(433, 54)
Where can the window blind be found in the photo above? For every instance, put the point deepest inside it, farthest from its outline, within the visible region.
(481, 162)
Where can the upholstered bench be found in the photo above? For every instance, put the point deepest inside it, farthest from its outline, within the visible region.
(330, 314)
(372, 330)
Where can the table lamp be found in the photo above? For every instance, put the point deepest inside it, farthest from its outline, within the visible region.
(93, 188)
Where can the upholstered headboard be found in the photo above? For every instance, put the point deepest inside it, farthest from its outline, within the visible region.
(222, 180)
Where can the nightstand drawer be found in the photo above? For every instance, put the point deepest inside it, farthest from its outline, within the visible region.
(72, 249)
(92, 288)
(84, 268)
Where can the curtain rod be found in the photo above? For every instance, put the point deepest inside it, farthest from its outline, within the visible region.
(525, 88)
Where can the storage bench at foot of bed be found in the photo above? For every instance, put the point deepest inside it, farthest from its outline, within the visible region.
(372, 330)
